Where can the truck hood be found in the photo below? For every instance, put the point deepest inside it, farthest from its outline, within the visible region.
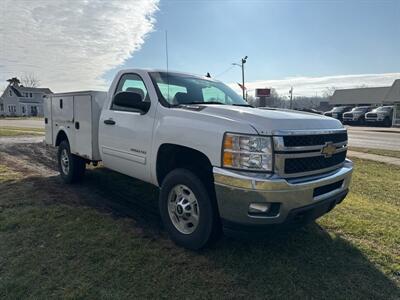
(266, 121)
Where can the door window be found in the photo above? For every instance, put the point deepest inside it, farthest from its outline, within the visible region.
(131, 83)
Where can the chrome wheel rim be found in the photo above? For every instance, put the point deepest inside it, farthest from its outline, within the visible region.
(183, 209)
(64, 161)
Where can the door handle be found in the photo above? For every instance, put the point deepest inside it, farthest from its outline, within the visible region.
(109, 122)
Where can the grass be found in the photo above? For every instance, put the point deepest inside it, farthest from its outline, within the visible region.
(59, 241)
(20, 131)
(391, 153)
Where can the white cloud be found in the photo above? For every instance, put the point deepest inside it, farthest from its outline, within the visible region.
(311, 86)
(68, 44)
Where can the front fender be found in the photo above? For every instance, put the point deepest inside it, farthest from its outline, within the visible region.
(203, 133)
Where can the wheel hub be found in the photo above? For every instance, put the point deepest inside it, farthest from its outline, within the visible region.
(64, 159)
(183, 209)
(179, 209)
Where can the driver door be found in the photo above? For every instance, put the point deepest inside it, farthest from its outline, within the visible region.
(126, 133)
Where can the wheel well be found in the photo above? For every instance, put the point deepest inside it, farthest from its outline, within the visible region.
(171, 156)
(61, 136)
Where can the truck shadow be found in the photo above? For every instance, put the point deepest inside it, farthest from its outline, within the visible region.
(305, 263)
(125, 196)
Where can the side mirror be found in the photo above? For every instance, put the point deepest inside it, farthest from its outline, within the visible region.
(131, 100)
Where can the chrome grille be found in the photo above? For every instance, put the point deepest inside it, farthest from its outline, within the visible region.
(299, 153)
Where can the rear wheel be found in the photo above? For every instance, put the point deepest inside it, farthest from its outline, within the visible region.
(71, 167)
(187, 210)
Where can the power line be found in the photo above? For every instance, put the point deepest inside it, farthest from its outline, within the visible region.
(222, 73)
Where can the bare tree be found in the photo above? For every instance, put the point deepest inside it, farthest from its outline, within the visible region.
(328, 92)
(30, 80)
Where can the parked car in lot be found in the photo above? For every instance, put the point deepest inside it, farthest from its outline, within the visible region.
(217, 161)
(338, 111)
(356, 115)
(382, 115)
(328, 113)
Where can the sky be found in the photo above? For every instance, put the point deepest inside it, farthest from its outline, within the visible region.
(310, 45)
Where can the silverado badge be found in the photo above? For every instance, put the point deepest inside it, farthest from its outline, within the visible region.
(328, 150)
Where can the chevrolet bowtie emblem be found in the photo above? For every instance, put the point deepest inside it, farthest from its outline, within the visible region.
(329, 149)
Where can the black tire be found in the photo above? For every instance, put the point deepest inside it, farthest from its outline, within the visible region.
(208, 224)
(77, 165)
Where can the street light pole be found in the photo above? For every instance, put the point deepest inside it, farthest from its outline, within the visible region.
(244, 88)
(243, 61)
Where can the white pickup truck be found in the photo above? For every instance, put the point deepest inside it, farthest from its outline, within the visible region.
(219, 162)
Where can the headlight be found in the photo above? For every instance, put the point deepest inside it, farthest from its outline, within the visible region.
(247, 152)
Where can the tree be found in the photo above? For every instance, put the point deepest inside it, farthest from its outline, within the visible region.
(30, 80)
(328, 92)
(14, 81)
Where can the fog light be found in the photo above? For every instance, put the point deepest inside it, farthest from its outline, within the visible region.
(259, 208)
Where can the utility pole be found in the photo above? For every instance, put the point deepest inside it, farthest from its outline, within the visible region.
(291, 97)
(244, 88)
(243, 61)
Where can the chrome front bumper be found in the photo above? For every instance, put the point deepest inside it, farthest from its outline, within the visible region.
(237, 190)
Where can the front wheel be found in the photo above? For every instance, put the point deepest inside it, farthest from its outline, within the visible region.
(71, 167)
(187, 210)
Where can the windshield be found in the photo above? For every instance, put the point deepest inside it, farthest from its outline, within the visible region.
(339, 108)
(177, 89)
(383, 108)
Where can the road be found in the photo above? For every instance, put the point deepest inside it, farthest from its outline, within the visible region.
(374, 137)
(368, 137)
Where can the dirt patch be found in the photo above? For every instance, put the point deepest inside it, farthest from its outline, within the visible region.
(105, 190)
(34, 156)
(25, 159)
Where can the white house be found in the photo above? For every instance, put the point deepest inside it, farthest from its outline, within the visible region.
(18, 100)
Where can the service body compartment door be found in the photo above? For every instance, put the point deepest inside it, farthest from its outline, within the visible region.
(63, 108)
(48, 121)
(83, 125)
